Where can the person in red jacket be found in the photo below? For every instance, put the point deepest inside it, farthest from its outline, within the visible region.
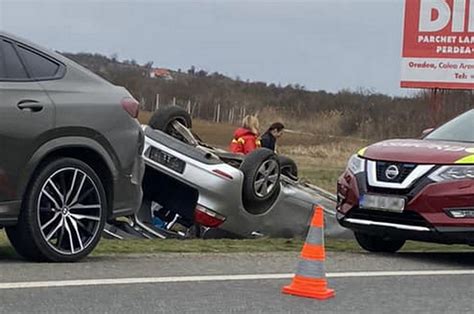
(246, 138)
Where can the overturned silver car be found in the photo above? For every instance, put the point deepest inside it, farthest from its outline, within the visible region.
(211, 193)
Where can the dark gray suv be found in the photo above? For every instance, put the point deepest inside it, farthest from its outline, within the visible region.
(70, 153)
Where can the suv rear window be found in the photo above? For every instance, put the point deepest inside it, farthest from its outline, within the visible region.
(11, 68)
(38, 66)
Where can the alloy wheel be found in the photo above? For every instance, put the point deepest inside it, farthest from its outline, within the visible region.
(266, 178)
(69, 211)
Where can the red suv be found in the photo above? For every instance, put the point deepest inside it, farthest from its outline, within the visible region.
(410, 189)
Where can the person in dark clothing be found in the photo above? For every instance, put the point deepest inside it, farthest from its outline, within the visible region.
(270, 137)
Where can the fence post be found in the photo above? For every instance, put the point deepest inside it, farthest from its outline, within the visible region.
(230, 115)
(157, 102)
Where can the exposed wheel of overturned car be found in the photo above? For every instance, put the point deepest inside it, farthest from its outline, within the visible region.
(374, 243)
(163, 119)
(63, 213)
(261, 184)
(288, 167)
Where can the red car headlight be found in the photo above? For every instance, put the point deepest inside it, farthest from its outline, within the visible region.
(450, 173)
(356, 164)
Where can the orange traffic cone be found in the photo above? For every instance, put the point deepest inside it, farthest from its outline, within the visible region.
(310, 278)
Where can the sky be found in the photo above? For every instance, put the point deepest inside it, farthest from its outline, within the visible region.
(321, 44)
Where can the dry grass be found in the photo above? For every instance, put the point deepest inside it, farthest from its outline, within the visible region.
(321, 158)
(319, 125)
(144, 117)
(333, 154)
(322, 164)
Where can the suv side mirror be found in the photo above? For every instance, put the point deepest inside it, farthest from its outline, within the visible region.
(426, 132)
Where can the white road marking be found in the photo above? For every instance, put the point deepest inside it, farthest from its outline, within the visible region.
(402, 273)
(152, 280)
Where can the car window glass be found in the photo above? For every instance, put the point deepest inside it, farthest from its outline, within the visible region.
(459, 129)
(13, 67)
(38, 66)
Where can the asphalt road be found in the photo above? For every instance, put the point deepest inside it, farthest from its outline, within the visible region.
(372, 292)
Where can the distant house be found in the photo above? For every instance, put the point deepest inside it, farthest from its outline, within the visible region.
(161, 73)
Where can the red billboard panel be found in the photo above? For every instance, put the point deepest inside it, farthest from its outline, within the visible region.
(438, 44)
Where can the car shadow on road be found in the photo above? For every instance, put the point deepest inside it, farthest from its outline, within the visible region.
(461, 259)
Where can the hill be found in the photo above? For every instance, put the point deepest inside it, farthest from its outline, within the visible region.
(215, 97)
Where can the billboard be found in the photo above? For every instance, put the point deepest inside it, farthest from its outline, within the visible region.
(438, 44)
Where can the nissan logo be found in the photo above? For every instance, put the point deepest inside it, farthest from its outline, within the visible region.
(392, 172)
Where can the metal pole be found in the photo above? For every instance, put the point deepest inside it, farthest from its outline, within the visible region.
(436, 103)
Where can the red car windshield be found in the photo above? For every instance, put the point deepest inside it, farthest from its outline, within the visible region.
(460, 129)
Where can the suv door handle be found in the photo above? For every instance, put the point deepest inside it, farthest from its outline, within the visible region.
(30, 105)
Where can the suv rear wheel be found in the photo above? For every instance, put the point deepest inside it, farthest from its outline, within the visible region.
(63, 213)
(373, 243)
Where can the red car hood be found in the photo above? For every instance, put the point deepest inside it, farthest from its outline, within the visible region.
(420, 151)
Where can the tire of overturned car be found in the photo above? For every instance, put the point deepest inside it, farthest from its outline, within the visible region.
(261, 186)
(288, 167)
(163, 118)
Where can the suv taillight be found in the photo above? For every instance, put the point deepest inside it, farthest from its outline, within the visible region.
(131, 106)
(207, 217)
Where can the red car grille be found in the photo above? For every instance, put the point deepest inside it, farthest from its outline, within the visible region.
(404, 171)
